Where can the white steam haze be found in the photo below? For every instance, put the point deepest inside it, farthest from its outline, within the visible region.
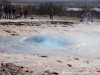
(81, 39)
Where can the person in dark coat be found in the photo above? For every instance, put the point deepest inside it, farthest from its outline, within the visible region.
(25, 13)
(51, 13)
(9, 12)
(14, 13)
(6, 12)
(21, 13)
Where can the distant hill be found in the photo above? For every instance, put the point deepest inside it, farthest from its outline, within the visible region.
(74, 3)
(55, 0)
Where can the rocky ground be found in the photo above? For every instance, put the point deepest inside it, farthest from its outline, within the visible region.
(24, 27)
(20, 64)
(12, 69)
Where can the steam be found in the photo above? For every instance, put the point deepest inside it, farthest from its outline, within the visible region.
(82, 39)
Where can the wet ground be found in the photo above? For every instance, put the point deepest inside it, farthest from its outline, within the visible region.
(52, 44)
(79, 39)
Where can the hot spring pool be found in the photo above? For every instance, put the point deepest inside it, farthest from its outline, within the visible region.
(49, 40)
(52, 45)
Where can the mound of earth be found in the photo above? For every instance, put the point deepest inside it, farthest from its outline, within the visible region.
(12, 69)
(36, 23)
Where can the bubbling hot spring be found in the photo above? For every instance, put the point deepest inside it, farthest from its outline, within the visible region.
(52, 44)
(82, 40)
(48, 40)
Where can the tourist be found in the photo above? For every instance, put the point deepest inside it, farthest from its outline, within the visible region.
(14, 13)
(9, 12)
(89, 16)
(86, 16)
(25, 13)
(82, 16)
(6, 12)
(21, 13)
(51, 13)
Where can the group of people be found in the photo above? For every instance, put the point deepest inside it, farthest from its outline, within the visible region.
(9, 12)
(84, 16)
(87, 15)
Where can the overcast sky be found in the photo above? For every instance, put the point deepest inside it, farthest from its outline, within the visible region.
(55, 0)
